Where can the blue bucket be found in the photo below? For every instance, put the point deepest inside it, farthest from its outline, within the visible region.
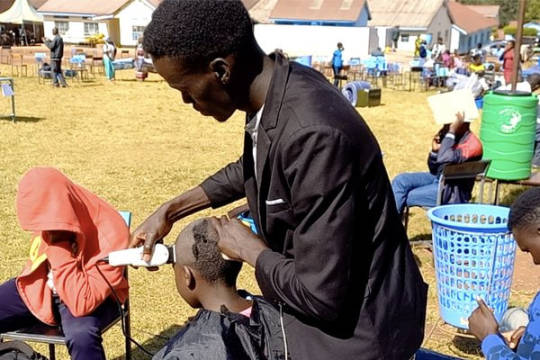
(479, 103)
(474, 257)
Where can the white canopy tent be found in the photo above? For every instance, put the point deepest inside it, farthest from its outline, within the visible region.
(20, 13)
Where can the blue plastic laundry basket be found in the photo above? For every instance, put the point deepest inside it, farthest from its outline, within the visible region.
(474, 257)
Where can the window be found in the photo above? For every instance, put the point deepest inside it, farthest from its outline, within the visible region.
(62, 26)
(404, 37)
(137, 31)
(90, 28)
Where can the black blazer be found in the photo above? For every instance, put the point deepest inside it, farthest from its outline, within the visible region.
(340, 262)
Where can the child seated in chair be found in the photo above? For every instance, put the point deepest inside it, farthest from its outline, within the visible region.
(229, 325)
(453, 144)
(61, 283)
(524, 342)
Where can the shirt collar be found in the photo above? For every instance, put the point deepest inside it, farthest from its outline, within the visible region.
(253, 121)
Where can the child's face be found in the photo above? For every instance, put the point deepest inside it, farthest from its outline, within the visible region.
(528, 240)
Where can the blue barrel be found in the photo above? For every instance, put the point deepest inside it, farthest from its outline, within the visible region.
(474, 257)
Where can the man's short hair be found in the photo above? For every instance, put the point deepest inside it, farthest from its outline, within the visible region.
(196, 247)
(198, 30)
(525, 210)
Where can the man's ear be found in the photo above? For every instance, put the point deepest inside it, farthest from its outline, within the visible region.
(222, 69)
(189, 278)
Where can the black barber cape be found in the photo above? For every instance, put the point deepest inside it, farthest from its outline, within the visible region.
(228, 336)
(339, 258)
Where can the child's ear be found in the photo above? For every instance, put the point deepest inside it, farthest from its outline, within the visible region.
(189, 278)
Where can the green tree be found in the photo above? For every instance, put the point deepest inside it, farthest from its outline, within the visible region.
(533, 10)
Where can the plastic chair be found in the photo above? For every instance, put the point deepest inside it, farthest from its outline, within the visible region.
(52, 335)
(41, 74)
(17, 62)
(77, 65)
(467, 170)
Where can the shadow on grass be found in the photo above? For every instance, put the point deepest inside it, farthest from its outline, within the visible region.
(420, 238)
(136, 80)
(467, 345)
(511, 196)
(152, 345)
(29, 119)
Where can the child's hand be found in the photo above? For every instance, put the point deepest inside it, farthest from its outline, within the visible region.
(482, 322)
(513, 337)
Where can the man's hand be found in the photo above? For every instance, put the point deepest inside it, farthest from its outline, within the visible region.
(482, 322)
(237, 241)
(150, 232)
(460, 119)
(237, 211)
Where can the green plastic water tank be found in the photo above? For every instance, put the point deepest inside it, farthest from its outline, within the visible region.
(507, 132)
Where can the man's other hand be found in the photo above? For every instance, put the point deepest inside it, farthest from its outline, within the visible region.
(237, 241)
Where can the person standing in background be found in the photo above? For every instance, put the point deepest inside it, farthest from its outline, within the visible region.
(56, 45)
(109, 53)
(395, 38)
(337, 62)
(507, 58)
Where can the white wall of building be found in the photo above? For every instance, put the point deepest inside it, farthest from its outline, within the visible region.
(407, 40)
(454, 39)
(138, 13)
(75, 33)
(382, 32)
(317, 41)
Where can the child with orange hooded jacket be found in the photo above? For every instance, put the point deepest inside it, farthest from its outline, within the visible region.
(61, 284)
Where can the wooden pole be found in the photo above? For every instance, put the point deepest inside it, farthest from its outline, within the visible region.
(517, 48)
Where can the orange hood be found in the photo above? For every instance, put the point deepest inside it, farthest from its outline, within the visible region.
(48, 200)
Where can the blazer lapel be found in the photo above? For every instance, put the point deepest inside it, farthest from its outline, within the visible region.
(269, 118)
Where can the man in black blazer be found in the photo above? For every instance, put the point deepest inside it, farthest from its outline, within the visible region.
(332, 253)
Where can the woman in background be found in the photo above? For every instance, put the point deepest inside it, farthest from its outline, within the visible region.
(508, 61)
(109, 53)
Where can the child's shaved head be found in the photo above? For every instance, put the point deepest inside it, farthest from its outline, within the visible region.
(196, 247)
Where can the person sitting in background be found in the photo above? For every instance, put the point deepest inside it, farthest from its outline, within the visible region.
(377, 52)
(109, 53)
(447, 60)
(523, 343)
(61, 282)
(453, 144)
(477, 66)
(458, 63)
(479, 51)
(229, 325)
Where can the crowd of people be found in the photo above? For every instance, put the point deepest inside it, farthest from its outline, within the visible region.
(315, 188)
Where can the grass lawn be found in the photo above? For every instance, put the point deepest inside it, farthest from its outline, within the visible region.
(136, 145)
